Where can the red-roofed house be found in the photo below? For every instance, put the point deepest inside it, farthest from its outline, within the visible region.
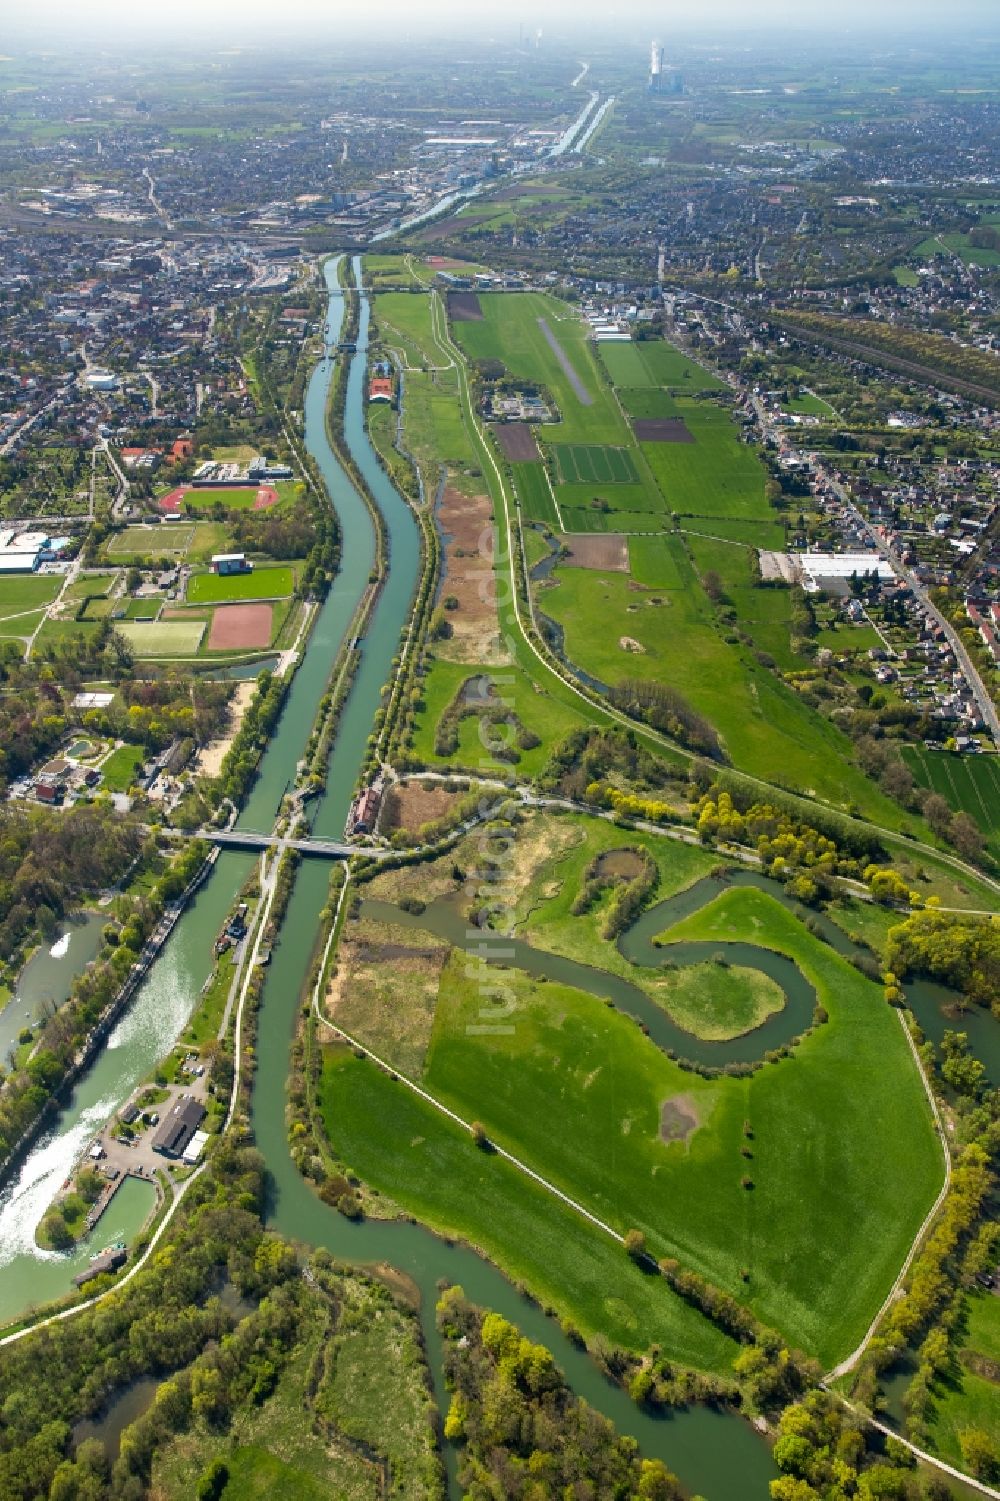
(380, 389)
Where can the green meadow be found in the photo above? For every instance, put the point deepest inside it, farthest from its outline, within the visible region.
(776, 1194)
(766, 728)
(431, 1167)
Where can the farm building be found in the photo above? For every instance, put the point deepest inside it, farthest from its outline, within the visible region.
(380, 389)
(225, 563)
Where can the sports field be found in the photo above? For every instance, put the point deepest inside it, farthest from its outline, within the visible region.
(156, 541)
(27, 591)
(262, 583)
(968, 784)
(164, 638)
(593, 464)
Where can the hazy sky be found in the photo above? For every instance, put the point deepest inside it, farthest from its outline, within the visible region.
(323, 17)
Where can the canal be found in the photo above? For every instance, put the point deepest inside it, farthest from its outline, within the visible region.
(715, 1453)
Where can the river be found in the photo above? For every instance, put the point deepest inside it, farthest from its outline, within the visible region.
(714, 1453)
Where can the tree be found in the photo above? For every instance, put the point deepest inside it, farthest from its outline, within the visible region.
(635, 1244)
(979, 1453)
(937, 814)
(965, 835)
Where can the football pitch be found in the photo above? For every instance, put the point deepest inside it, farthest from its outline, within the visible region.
(143, 541)
(163, 638)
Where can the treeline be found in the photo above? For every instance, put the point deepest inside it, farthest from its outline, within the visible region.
(934, 353)
(34, 701)
(239, 767)
(594, 755)
(494, 713)
(155, 712)
(821, 1453)
(523, 1434)
(664, 709)
(28, 1092)
(786, 812)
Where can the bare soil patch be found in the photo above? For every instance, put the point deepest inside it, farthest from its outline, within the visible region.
(408, 805)
(629, 643)
(619, 865)
(211, 756)
(385, 990)
(463, 307)
(661, 430)
(238, 626)
(469, 583)
(597, 550)
(679, 1118)
(517, 442)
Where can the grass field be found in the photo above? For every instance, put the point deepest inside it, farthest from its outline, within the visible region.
(969, 784)
(654, 362)
(262, 583)
(394, 1140)
(966, 1399)
(169, 539)
(118, 771)
(576, 1090)
(27, 591)
(766, 727)
(91, 585)
(593, 464)
(510, 332)
(164, 638)
(716, 475)
(547, 717)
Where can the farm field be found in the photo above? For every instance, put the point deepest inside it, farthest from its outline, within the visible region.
(767, 730)
(535, 493)
(575, 1088)
(716, 475)
(262, 583)
(590, 464)
(969, 784)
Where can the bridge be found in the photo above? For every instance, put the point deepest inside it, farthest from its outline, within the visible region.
(246, 839)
